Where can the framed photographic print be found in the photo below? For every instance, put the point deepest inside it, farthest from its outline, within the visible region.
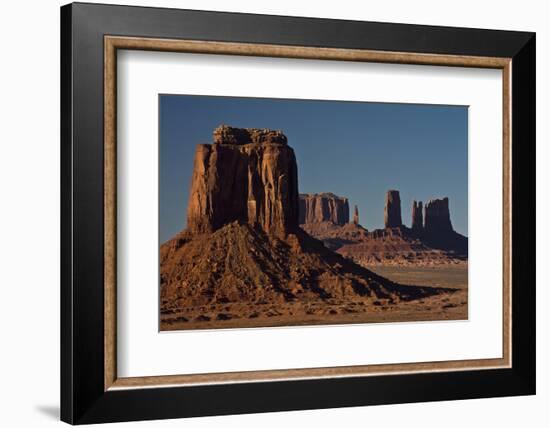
(265, 213)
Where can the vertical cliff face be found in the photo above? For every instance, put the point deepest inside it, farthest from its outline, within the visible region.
(392, 209)
(356, 215)
(436, 216)
(321, 207)
(417, 216)
(247, 175)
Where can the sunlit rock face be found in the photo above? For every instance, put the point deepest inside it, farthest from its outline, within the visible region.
(247, 175)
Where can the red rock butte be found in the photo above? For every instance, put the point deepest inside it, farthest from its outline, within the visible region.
(430, 240)
(247, 175)
(321, 207)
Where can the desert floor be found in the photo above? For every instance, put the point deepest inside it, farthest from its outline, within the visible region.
(452, 305)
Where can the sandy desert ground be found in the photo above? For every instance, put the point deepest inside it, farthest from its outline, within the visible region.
(447, 306)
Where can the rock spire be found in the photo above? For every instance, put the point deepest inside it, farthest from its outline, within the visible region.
(356, 215)
(392, 209)
(417, 216)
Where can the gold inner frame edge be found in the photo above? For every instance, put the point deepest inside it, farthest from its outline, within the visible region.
(113, 43)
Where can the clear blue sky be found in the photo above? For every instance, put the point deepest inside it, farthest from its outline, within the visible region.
(357, 150)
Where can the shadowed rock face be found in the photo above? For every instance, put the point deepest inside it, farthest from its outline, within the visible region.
(356, 215)
(321, 207)
(417, 217)
(392, 209)
(436, 216)
(247, 175)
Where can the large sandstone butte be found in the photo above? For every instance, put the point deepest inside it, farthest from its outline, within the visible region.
(392, 209)
(325, 216)
(437, 218)
(438, 231)
(243, 255)
(321, 207)
(247, 175)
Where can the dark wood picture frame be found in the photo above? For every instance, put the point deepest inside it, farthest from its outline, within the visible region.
(90, 389)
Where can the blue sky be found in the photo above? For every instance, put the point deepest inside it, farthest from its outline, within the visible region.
(354, 149)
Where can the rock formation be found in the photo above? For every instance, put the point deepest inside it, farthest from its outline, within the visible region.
(417, 217)
(392, 209)
(396, 244)
(321, 207)
(438, 231)
(247, 175)
(224, 134)
(436, 216)
(243, 256)
(356, 216)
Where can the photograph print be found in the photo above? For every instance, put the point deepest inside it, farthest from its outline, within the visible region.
(290, 212)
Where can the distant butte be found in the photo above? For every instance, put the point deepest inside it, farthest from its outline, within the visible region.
(429, 241)
(320, 207)
(392, 209)
(437, 218)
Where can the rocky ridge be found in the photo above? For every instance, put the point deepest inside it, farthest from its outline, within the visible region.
(430, 241)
